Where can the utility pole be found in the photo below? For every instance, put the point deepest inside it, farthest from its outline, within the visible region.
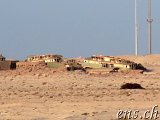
(149, 20)
(136, 30)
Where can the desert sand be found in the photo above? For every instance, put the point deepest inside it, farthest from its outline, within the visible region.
(49, 94)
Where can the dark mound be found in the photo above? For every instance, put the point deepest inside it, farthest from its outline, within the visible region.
(141, 67)
(131, 86)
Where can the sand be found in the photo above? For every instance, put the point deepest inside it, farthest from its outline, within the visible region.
(49, 94)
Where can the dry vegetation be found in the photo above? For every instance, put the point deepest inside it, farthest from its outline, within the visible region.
(50, 94)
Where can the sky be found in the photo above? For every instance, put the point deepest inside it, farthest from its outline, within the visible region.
(75, 28)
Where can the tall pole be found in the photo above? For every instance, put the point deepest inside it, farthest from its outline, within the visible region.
(136, 30)
(149, 20)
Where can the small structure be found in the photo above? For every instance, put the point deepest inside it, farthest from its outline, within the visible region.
(7, 64)
(45, 58)
(2, 58)
(73, 64)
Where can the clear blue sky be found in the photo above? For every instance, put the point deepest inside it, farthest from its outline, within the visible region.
(74, 27)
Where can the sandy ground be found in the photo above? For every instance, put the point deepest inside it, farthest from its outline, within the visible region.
(60, 95)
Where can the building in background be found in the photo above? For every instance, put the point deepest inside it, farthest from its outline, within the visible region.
(100, 61)
(45, 58)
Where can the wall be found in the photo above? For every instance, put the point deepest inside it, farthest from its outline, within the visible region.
(28, 64)
(7, 65)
